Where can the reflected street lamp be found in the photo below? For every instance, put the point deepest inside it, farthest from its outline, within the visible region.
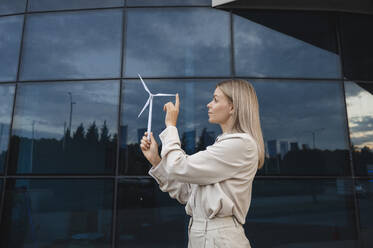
(313, 135)
(71, 111)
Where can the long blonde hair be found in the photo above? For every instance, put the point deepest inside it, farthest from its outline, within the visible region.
(246, 117)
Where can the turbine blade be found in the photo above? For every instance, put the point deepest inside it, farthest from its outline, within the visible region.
(146, 104)
(161, 94)
(143, 83)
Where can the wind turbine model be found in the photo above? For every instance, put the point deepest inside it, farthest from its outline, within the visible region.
(150, 101)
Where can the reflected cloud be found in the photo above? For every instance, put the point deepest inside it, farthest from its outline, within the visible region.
(44, 141)
(48, 104)
(6, 103)
(12, 6)
(39, 5)
(10, 41)
(85, 44)
(177, 42)
(264, 52)
(360, 115)
(296, 118)
(291, 110)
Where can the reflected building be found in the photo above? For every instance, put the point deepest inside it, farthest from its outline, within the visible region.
(284, 148)
(305, 147)
(294, 146)
(190, 141)
(208, 138)
(140, 134)
(272, 148)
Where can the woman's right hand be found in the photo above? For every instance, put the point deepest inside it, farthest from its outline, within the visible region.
(150, 149)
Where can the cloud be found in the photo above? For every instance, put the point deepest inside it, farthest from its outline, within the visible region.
(48, 104)
(10, 40)
(85, 44)
(177, 42)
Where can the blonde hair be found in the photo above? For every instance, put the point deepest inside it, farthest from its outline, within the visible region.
(246, 111)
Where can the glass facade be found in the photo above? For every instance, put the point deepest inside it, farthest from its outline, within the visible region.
(10, 40)
(6, 103)
(71, 170)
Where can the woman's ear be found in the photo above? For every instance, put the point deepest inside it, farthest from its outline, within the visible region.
(231, 111)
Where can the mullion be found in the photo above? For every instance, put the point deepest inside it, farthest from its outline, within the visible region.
(231, 34)
(356, 209)
(6, 165)
(90, 176)
(119, 134)
(180, 77)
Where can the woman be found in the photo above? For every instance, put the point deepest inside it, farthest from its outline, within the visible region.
(215, 184)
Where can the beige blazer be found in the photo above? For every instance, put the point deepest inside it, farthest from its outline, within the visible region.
(213, 182)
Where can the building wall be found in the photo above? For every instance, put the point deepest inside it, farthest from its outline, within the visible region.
(71, 170)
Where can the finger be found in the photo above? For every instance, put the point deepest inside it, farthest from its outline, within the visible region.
(177, 101)
(151, 136)
(167, 106)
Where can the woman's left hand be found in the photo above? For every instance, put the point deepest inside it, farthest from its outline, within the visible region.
(172, 112)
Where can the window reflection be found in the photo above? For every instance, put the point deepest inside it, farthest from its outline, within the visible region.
(359, 101)
(364, 190)
(12, 6)
(6, 103)
(10, 40)
(357, 46)
(195, 132)
(304, 127)
(146, 214)
(35, 5)
(80, 210)
(303, 124)
(65, 128)
(168, 2)
(285, 44)
(301, 213)
(84, 44)
(177, 42)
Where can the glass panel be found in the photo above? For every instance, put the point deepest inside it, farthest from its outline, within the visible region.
(301, 213)
(364, 190)
(177, 42)
(168, 2)
(6, 106)
(10, 41)
(285, 44)
(57, 213)
(304, 127)
(84, 44)
(72, 4)
(303, 124)
(357, 46)
(146, 214)
(194, 129)
(11, 7)
(65, 128)
(359, 101)
(1, 188)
